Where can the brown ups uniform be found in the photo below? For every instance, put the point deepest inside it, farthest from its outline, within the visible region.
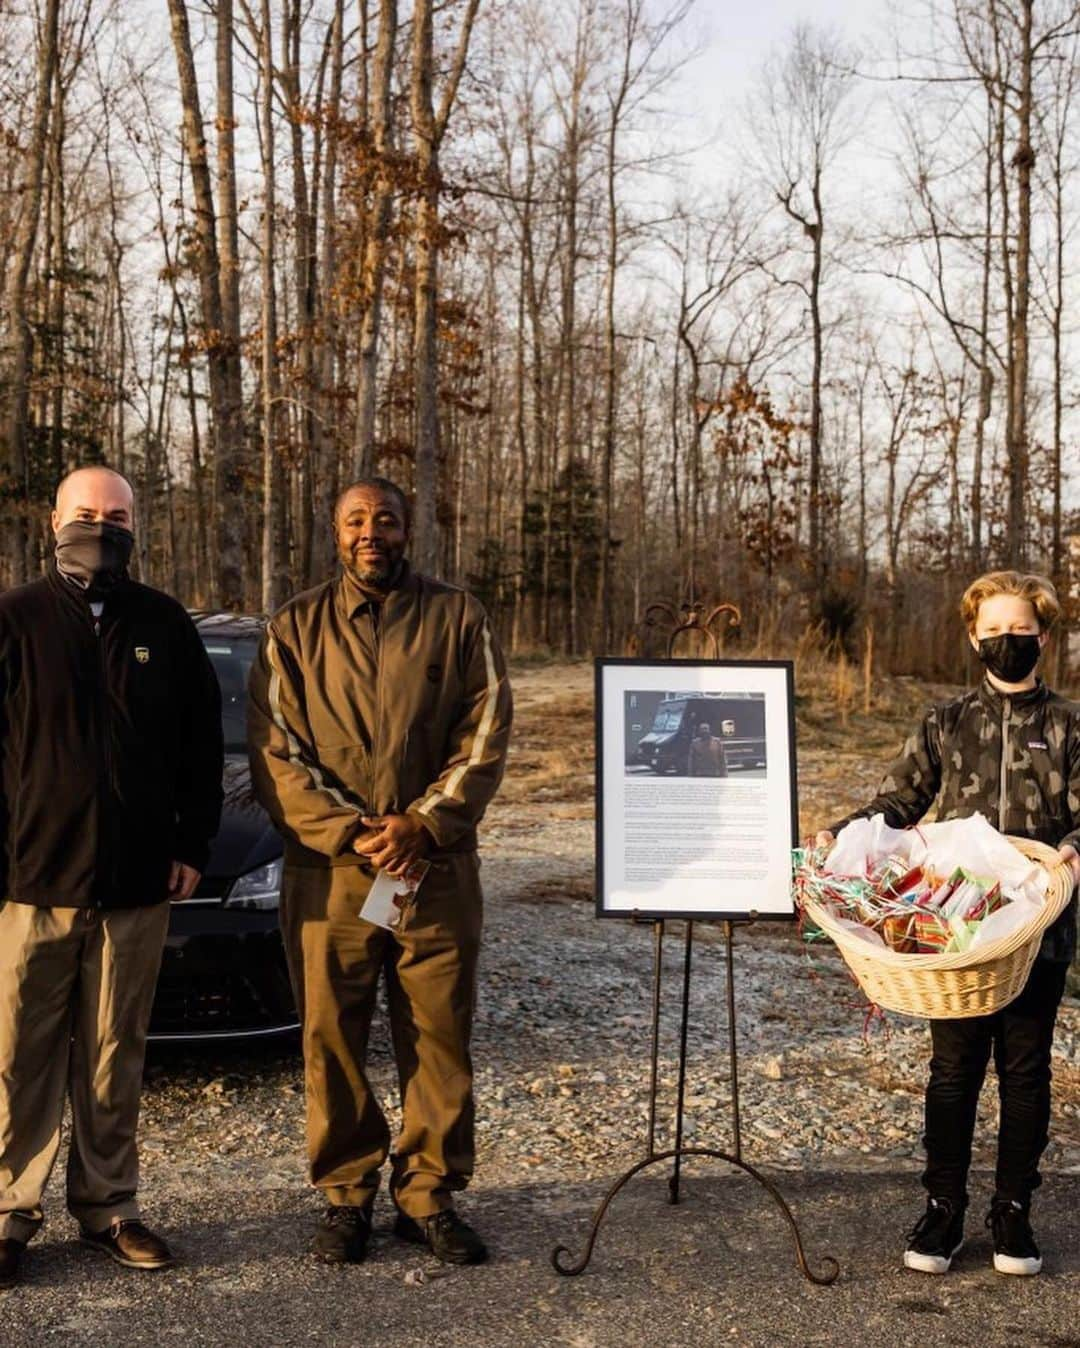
(369, 706)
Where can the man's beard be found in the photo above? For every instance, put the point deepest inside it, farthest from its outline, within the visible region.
(371, 574)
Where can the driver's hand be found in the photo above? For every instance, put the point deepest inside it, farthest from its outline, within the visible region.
(393, 842)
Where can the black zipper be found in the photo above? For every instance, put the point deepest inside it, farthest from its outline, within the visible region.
(105, 757)
(375, 617)
(1003, 770)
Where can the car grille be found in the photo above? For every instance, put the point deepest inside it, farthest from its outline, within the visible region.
(222, 1001)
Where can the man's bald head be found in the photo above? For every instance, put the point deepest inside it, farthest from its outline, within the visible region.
(96, 494)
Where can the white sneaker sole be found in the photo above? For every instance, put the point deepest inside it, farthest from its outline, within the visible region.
(1020, 1267)
(930, 1263)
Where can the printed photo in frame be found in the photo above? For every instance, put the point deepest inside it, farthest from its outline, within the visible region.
(696, 789)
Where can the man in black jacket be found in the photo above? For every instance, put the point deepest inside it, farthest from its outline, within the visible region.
(110, 792)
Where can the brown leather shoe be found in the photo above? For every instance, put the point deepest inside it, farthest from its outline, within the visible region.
(446, 1236)
(131, 1244)
(11, 1252)
(342, 1235)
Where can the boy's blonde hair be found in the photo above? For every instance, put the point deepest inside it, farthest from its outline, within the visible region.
(1037, 590)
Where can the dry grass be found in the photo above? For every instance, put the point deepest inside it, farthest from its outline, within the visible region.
(551, 753)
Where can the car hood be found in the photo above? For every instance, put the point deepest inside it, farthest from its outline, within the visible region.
(246, 838)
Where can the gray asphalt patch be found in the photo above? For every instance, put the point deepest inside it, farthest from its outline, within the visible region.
(717, 1269)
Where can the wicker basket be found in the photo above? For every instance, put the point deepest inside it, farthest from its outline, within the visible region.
(950, 987)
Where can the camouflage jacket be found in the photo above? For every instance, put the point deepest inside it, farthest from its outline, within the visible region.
(1015, 760)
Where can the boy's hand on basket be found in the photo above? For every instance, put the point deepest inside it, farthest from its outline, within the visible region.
(824, 838)
(1071, 857)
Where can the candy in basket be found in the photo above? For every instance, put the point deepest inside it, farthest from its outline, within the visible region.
(939, 889)
(967, 954)
(915, 910)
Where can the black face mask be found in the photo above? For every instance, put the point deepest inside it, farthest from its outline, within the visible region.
(1010, 657)
(93, 556)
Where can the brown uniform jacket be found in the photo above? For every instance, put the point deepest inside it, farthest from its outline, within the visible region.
(352, 712)
(707, 758)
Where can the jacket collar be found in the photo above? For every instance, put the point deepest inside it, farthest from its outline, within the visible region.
(354, 599)
(73, 595)
(1025, 701)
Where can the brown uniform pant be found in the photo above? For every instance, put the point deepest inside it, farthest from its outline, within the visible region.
(335, 959)
(76, 988)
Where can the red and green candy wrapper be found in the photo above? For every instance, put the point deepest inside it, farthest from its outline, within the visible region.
(913, 909)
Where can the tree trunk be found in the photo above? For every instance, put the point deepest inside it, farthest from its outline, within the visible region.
(568, 352)
(602, 612)
(425, 295)
(274, 568)
(16, 451)
(328, 479)
(1016, 444)
(57, 307)
(429, 127)
(228, 467)
(304, 259)
(224, 403)
(986, 379)
(374, 264)
(817, 551)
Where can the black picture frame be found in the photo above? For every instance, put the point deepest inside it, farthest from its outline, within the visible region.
(790, 835)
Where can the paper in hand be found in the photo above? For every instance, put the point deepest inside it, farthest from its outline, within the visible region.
(391, 899)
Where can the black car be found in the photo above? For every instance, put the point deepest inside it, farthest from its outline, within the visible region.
(223, 973)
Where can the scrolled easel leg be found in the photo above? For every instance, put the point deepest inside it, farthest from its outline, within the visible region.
(829, 1266)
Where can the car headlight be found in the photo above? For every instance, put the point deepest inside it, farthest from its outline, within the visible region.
(260, 888)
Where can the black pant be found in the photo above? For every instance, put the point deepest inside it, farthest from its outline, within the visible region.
(1020, 1035)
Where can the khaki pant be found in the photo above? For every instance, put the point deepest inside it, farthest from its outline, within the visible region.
(76, 988)
(335, 960)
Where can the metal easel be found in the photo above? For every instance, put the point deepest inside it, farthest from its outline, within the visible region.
(691, 620)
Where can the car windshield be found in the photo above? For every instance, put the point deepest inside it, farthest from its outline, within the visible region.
(668, 716)
(232, 660)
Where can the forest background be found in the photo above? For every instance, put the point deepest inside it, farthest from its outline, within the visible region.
(812, 353)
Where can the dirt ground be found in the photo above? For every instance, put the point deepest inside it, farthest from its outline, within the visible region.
(833, 1115)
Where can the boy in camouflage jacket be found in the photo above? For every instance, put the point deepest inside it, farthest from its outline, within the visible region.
(1010, 750)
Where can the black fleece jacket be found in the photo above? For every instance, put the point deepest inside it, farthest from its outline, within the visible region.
(110, 746)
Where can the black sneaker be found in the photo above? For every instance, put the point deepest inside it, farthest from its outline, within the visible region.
(1015, 1250)
(936, 1238)
(343, 1234)
(446, 1236)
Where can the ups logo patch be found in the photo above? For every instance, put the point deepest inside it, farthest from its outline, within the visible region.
(142, 654)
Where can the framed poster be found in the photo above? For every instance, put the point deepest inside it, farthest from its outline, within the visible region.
(696, 796)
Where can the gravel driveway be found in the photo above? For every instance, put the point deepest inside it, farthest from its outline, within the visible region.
(561, 1050)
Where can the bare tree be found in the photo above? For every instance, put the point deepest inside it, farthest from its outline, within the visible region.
(222, 365)
(21, 334)
(274, 565)
(374, 264)
(800, 130)
(429, 129)
(639, 76)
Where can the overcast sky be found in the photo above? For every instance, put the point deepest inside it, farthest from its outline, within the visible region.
(736, 36)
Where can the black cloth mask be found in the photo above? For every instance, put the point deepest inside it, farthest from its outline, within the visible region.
(1010, 657)
(93, 556)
